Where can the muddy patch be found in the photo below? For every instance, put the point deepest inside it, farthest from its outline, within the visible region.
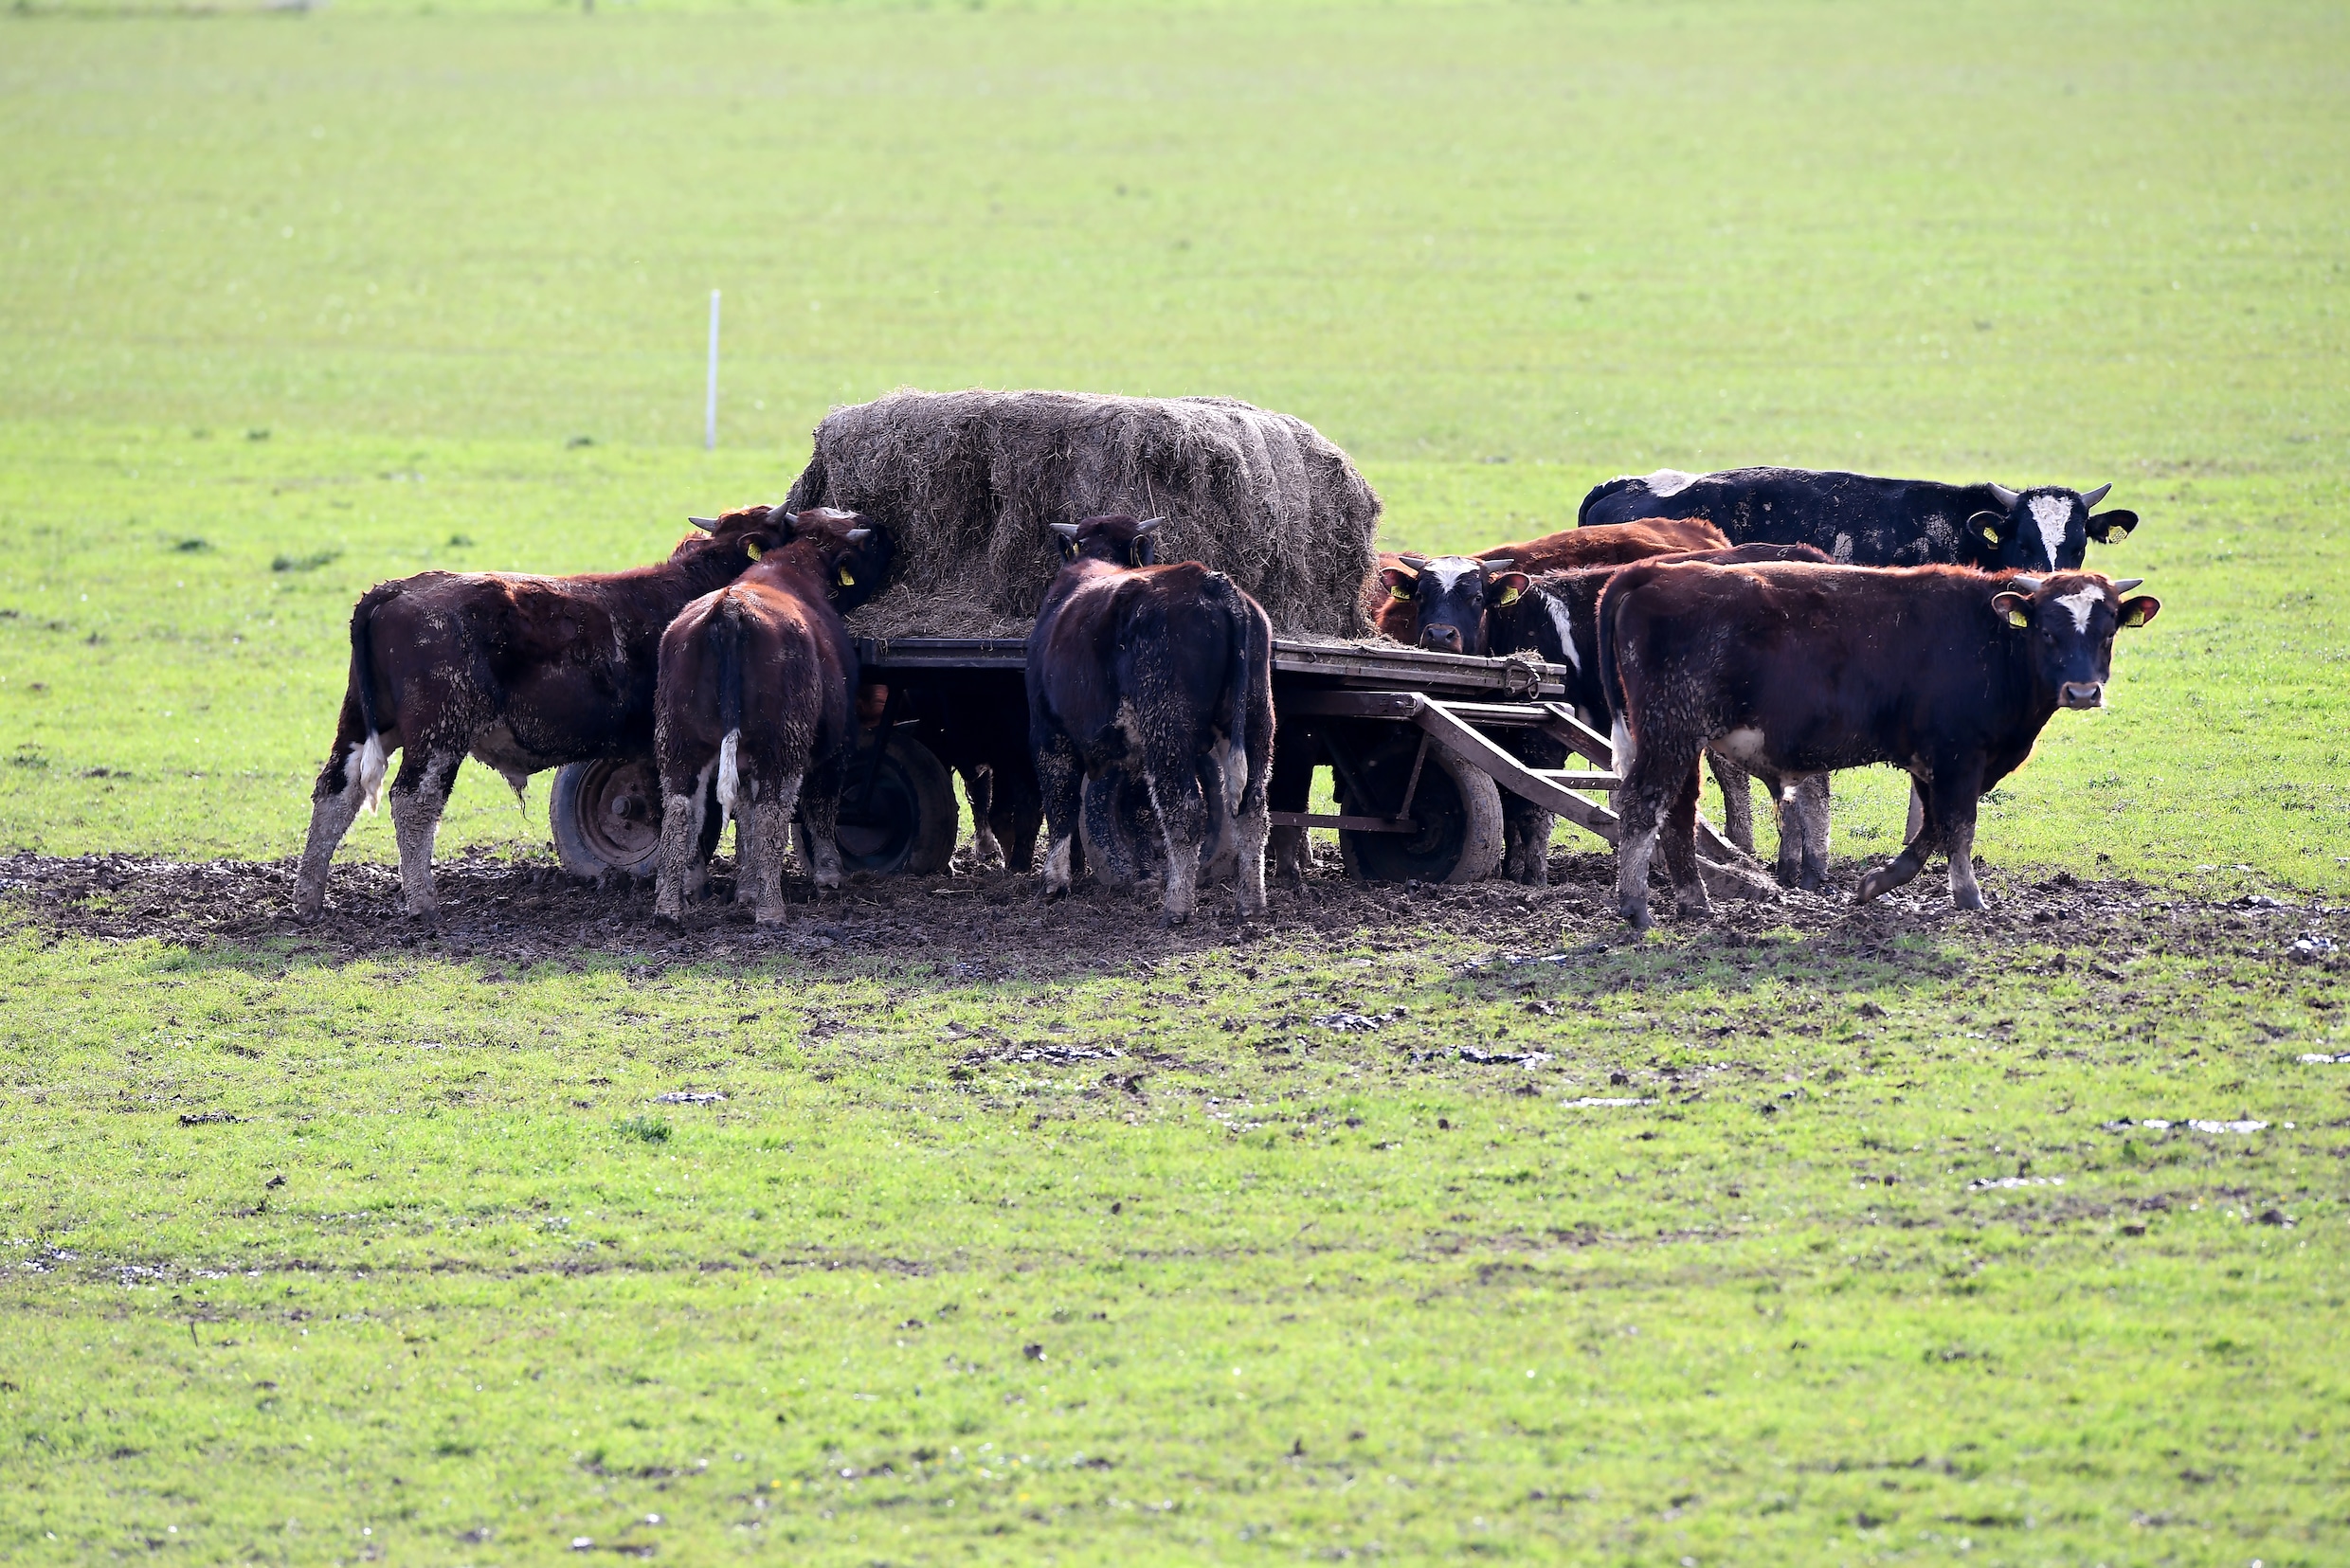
(526, 909)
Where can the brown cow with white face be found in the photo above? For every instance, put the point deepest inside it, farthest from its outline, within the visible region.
(520, 672)
(1947, 673)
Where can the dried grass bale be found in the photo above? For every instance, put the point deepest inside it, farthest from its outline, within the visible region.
(968, 483)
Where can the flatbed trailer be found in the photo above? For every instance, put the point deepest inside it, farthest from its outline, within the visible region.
(1413, 739)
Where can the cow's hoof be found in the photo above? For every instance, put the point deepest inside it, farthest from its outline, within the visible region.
(1693, 909)
(1636, 916)
(1171, 918)
(1871, 885)
(1969, 899)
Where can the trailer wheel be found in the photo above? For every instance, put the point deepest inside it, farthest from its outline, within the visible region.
(607, 816)
(897, 811)
(1458, 810)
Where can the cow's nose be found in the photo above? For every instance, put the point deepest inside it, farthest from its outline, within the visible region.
(1446, 638)
(2081, 693)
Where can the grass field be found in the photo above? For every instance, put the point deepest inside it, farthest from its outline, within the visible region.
(290, 303)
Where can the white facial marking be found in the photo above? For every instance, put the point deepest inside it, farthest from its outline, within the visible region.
(1668, 481)
(2080, 604)
(1566, 631)
(1449, 573)
(2052, 512)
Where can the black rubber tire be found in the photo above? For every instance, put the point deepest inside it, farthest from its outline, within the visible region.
(1459, 808)
(906, 823)
(605, 816)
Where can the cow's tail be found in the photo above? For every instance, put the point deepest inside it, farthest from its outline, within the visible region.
(726, 648)
(371, 761)
(1601, 491)
(1621, 741)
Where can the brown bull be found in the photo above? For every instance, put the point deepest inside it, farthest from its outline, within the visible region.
(520, 672)
(758, 696)
(1946, 673)
(1445, 609)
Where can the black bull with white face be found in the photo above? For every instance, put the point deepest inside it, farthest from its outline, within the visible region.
(1865, 520)
(1947, 674)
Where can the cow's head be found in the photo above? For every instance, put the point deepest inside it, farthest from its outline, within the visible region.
(2069, 619)
(1113, 537)
(745, 533)
(1453, 598)
(845, 550)
(2044, 529)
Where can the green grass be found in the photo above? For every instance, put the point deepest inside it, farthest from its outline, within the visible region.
(289, 304)
(1288, 1305)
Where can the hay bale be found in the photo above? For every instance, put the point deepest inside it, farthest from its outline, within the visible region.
(968, 483)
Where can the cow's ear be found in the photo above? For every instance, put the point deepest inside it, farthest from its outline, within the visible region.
(752, 548)
(1399, 582)
(2111, 528)
(1989, 527)
(2137, 611)
(2013, 607)
(1506, 588)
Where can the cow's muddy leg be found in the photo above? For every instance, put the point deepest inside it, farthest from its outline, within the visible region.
(1634, 843)
(1917, 811)
(819, 794)
(1680, 845)
(1290, 788)
(681, 841)
(1061, 783)
(1954, 803)
(334, 802)
(1016, 815)
(770, 835)
(1182, 809)
(418, 795)
(1642, 802)
(1812, 799)
(1913, 859)
(1737, 801)
(979, 791)
(1252, 825)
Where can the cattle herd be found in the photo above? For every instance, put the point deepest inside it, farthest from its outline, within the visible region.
(1774, 624)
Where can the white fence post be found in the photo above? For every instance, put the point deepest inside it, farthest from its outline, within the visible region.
(710, 408)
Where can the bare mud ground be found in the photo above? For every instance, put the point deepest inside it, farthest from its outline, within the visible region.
(990, 923)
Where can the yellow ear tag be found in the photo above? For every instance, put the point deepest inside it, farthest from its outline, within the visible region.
(2018, 618)
(1401, 592)
(2135, 618)
(1991, 535)
(753, 550)
(1509, 596)
(847, 581)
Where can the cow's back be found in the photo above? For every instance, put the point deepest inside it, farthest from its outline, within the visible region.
(1858, 519)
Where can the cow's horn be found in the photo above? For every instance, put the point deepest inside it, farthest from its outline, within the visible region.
(1067, 530)
(1147, 525)
(2007, 497)
(2090, 498)
(859, 535)
(2028, 585)
(1501, 563)
(2123, 584)
(705, 524)
(1415, 562)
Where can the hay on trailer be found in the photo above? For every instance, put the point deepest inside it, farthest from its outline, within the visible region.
(969, 482)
